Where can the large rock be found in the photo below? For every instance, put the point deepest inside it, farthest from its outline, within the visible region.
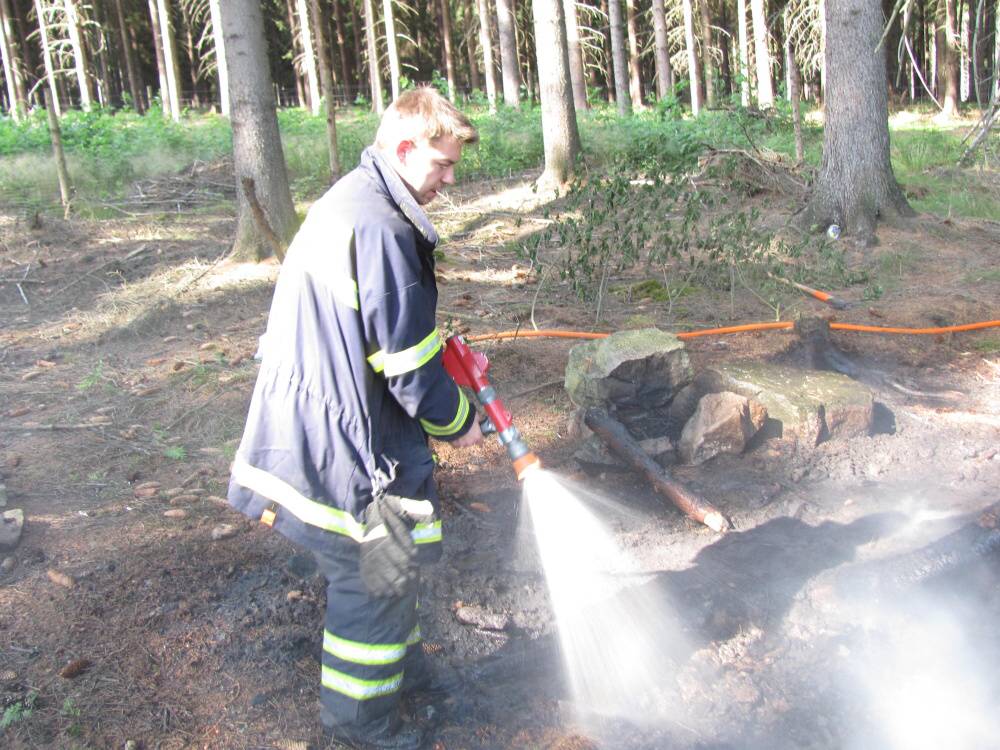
(631, 370)
(11, 526)
(807, 406)
(3, 495)
(722, 423)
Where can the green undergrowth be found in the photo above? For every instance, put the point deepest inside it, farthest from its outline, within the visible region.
(108, 151)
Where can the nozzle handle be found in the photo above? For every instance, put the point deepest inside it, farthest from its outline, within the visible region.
(487, 427)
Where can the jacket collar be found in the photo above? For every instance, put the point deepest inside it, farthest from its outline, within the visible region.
(372, 160)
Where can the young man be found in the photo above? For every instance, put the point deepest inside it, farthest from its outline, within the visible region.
(335, 454)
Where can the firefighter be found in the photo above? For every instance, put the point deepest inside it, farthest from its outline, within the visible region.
(335, 450)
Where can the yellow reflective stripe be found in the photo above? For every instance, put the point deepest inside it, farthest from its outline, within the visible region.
(377, 361)
(407, 360)
(426, 533)
(306, 510)
(455, 425)
(414, 638)
(345, 291)
(358, 689)
(363, 653)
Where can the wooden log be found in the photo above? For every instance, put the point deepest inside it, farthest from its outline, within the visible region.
(618, 439)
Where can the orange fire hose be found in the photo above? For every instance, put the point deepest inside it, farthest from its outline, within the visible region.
(781, 325)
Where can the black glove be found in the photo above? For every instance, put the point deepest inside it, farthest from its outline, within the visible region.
(388, 552)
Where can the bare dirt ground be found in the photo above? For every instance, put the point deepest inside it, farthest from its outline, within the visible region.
(126, 363)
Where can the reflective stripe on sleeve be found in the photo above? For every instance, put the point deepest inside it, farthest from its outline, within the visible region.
(426, 533)
(358, 689)
(306, 510)
(407, 360)
(455, 425)
(363, 653)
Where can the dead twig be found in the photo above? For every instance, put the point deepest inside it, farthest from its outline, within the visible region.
(535, 389)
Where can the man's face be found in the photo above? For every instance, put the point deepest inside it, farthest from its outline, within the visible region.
(427, 166)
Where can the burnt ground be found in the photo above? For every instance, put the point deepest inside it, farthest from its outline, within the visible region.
(852, 605)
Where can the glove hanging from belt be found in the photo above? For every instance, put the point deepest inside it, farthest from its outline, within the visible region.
(388, 552)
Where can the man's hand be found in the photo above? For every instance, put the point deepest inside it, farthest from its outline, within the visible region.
(473, 437)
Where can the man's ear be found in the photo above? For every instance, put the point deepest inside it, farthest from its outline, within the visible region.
(403, 149)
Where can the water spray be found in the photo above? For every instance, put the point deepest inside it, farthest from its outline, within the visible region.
(468, 368)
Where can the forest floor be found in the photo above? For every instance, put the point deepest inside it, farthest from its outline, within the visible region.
(126, 364)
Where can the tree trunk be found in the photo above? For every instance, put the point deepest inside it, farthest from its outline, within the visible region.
(692, 54)
(508, 54)
(576, 69)
(301, 90)
(326, 80)
(374, 77)
(13, 66)
(856, 183)
(257, 151)
(43, 31)
(664, 71)
(65, 186)
(794, 89)
(132, 70)
(221, 68)
(707, 68)
(559, 131)
(191, 51)
(619, 61)
(741, 11)
(634, 74)
(449, 56)
(984, 39)
(306, 32)
(390, 43)
(470, 48)
(109, 63)
(346, 76)
(609, 68)
(485, 41)
(765, 90)
(726, 48)
(79, 55)
(359, 32)
(170, 59)
(950, 59)
(161, 65)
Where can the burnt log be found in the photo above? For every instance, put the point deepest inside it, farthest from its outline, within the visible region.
(618, 439)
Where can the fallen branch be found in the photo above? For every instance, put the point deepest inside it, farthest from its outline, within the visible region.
(617, 438)
(984, 128)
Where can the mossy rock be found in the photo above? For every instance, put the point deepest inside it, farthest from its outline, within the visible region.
(808, 406)
(630, 369)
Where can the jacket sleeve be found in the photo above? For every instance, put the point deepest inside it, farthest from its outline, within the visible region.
(405, 346)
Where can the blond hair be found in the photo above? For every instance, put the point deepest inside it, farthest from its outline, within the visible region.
(423, 113)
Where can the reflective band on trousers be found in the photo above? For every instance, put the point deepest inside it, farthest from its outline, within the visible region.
(323, 516)
(456, 424)
(358, 689)
(363, 653)
(407, 360)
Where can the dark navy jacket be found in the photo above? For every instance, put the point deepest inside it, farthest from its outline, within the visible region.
(351, 381)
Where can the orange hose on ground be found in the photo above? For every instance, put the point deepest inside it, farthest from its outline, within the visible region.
(915, 331)
(781, 325)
